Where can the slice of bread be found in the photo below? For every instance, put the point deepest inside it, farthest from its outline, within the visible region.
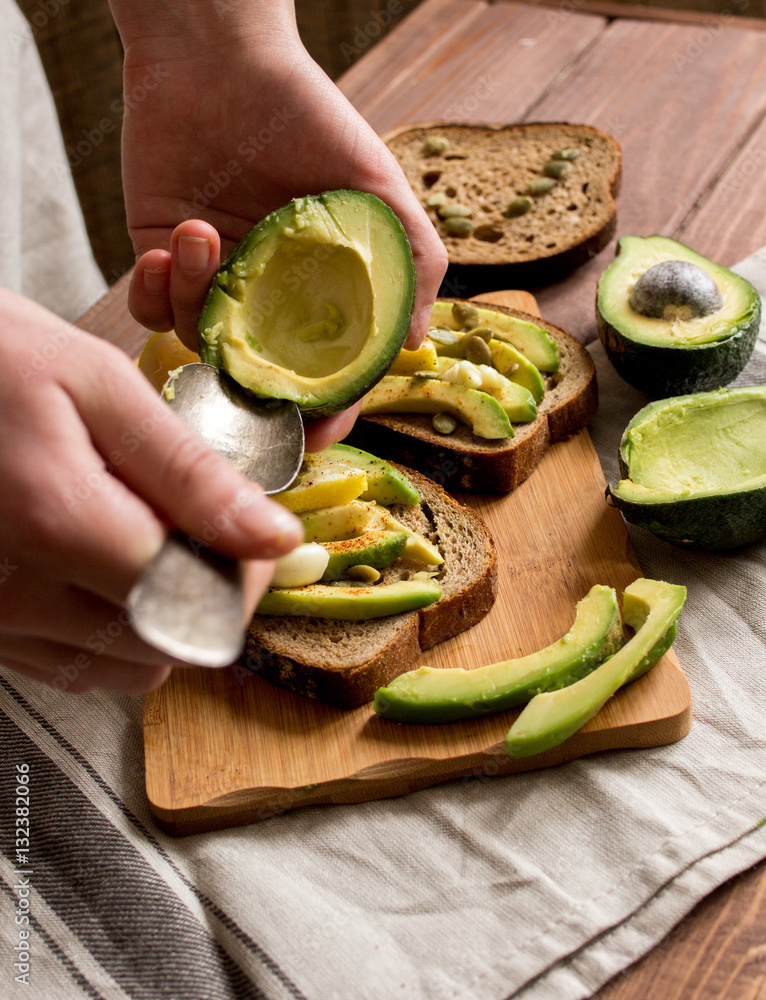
(462, 461)
(344, 663)
(486, 167)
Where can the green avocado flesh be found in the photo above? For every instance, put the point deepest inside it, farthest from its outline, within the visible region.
(431, 695)
(334, 524)
(377, 548)
(404, 394)
(517, 368)
(665, 357)
(350, 603)
(694, 468)
(651, 608)
(535, 343)
(385, 484)
(314, 303)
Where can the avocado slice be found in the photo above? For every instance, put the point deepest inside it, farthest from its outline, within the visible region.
(517, 368)
(314, 303)
(421, 360)
(694, 468)
(651, 607)
(333, 524)
(672, 321)
(378, 547)
(535, 343)
(430, 695)
(385, 484)
(322, 484)
(351, 603)
(404, 394)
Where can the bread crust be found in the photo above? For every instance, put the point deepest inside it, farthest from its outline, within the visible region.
(462, 461)
(344, 663)
(509, 261)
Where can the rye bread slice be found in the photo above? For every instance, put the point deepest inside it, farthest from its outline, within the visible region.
(485, 167)
(462, 461)
(344, 663)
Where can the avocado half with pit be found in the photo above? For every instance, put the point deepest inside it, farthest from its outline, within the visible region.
(694, 468)
(314, 303)
(672, 321)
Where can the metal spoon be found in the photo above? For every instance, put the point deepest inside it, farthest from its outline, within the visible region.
(188, 602)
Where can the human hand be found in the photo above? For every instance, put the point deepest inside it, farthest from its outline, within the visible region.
(94, 467)
(239, 121)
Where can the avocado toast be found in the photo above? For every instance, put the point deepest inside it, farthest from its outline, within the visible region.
(343, 662)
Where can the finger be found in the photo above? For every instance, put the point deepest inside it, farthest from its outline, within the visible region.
(257, 577)
(158, 457)
(149, 292)
(69, 669)
(195, 251)
(320, 434)
(73, 617)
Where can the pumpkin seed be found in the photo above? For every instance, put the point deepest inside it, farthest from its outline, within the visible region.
(426, 374)
(436, 144)
(440, 198)
(458, 226)
(566, 154)
(367, 574)
(541, 185)
(485, 332)
(519, 206)
(466, 314)
(454, 211)
(557, 168)
(477, 351)
(441, 336)
(444, 423)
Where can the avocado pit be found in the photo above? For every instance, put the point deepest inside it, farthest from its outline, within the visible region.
(675, 290)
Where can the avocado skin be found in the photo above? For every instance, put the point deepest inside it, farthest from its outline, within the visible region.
(227, 284)
(717, 523)
(707, 524)
(350, 603)
(675, 370)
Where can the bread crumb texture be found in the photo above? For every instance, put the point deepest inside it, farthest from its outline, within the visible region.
(486, 168)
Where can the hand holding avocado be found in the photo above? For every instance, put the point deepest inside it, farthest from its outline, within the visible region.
(242, 122)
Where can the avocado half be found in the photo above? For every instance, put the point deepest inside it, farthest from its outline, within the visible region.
(694, 468)
(314, 303)
(677, 350)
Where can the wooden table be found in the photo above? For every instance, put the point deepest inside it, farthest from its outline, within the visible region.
(686, 98)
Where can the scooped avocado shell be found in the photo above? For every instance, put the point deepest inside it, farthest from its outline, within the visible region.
(314, 303)
(660, 321)
(694, 468)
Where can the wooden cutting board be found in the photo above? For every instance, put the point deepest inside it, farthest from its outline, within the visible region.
(225, 747)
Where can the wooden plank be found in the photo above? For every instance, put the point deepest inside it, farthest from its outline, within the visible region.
(110, 319)
(715, 953)
(707, 12)
(485, 63)
(729, 222)
(225, 747)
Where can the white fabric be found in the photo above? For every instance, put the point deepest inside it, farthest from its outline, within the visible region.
(539, 886)
(44, 251)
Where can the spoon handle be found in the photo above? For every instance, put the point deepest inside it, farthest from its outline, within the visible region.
(189, 603)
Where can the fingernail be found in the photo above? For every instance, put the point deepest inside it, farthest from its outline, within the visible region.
(193, 254)
(281, 530)
(156, 279)
(419, 327)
